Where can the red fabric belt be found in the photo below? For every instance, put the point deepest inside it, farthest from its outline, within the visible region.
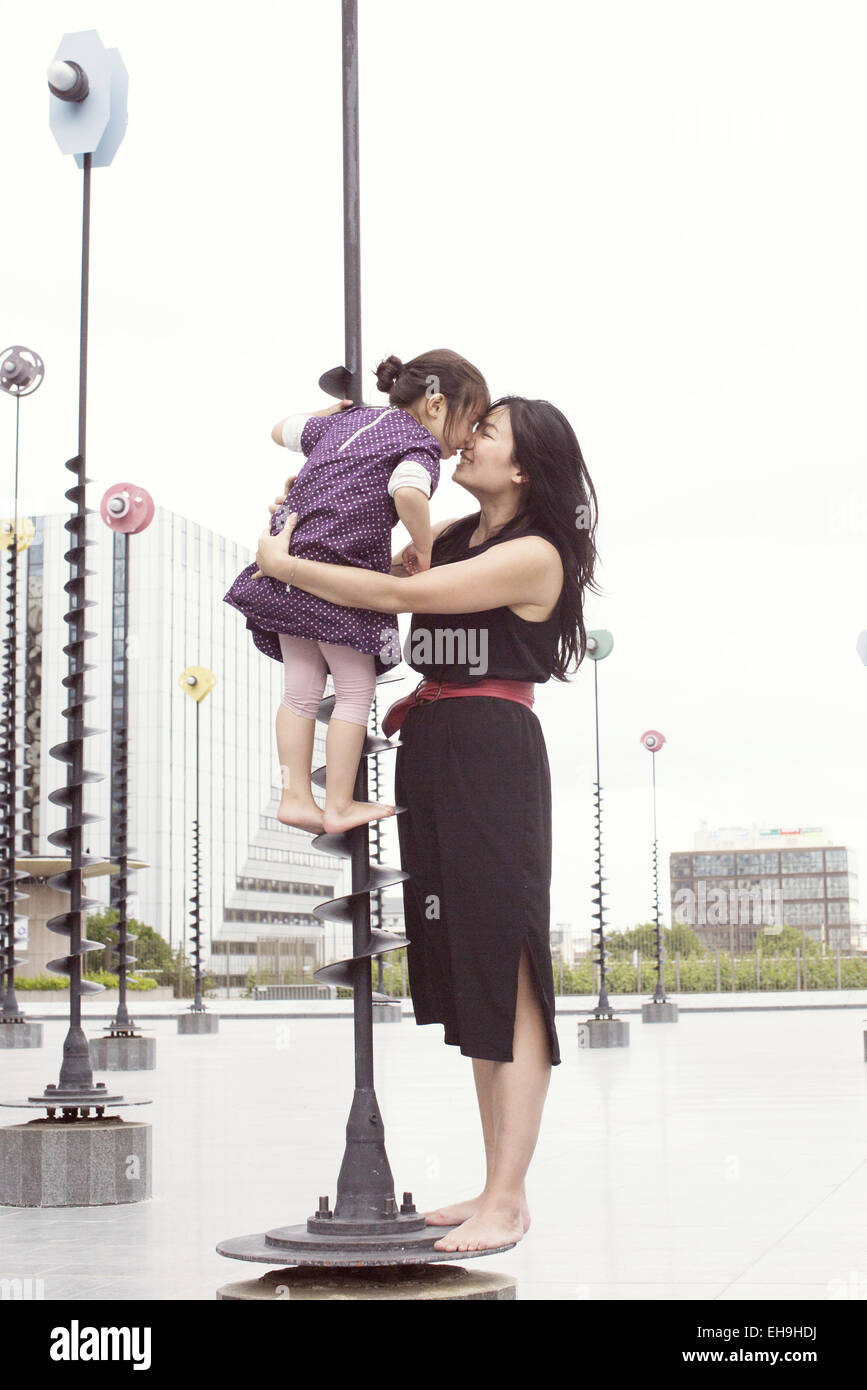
(519, 691)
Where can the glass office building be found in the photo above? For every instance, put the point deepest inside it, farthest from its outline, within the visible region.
(259, 879)
(736, 882)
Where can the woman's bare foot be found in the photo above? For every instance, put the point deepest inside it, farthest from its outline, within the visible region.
(356, 813)
(461, 1211)
(302, 812)
(491, 1225)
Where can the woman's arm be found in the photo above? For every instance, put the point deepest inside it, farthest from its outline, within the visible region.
(527, 569)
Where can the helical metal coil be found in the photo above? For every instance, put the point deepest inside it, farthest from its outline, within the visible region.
(121, 952)
(9, 768)
(71, 752)
(603, 1008)
(371, 878)
(195, 906)
(659, 990)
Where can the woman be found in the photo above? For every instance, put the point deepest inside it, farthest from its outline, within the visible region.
(473, 772)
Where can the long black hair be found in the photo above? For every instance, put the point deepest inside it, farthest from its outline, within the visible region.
(559, 499)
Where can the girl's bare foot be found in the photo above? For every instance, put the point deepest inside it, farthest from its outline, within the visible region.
(302, 812)
(461, 1211)
(356, 813)
(491, 1225)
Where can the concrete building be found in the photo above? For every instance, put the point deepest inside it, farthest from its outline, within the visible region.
(738, 882)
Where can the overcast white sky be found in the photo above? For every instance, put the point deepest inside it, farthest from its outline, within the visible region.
(653, 215)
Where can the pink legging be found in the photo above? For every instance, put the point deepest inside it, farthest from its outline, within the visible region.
(305, 666)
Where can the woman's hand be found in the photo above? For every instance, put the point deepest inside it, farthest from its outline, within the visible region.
(333, 409)
(274, 548)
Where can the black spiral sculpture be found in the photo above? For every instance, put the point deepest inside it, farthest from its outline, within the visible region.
(127, 510)
(94, 138)
(9, 767)
(376, 828)
(599, 644)
(365, 1203)
(366, 1226)
(22, 372)
(76, 1094)
(195, 918)
(603, 1008)
(367, 878)
(122, 1025)
(197, 682)
(653, 740)
(659, 991)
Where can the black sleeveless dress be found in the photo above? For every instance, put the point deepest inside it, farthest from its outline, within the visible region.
(476, 837)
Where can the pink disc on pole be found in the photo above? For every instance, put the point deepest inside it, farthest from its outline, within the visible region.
(652, 740)
(127, 508)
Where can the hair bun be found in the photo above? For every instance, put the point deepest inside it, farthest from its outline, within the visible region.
(387, 373)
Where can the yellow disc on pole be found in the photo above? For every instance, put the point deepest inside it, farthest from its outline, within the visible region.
(197, 681)
(26, 532)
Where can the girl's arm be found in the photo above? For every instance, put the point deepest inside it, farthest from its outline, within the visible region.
(523, 570)
(277, 431)
(398, 561)
(413, 509)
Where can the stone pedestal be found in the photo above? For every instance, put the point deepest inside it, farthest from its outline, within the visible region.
(389, 1012)
(20, 1034)
(437, 1282)
(199, 1023)
(76, 1163)
(123, 1054)
(603, 1032)
(654, 1012)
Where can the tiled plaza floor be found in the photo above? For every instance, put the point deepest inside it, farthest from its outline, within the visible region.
(723, 1157)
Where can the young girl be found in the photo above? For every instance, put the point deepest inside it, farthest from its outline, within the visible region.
(367, 467)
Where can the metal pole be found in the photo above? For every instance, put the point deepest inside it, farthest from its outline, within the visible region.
(351, 202)
(76, 1072)
(123, 1024)
(197, 949)
(71, 1070)
(659, 992)
(365, 1181)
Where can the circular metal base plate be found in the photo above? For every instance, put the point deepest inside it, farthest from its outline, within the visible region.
(351, 1251)
(430, 1282)
(68, 1103)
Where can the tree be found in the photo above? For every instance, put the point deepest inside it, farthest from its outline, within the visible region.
(786, 942)
(642, 938)
(152, 952)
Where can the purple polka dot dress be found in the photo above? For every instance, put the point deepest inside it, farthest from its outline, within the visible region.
(345, 517)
